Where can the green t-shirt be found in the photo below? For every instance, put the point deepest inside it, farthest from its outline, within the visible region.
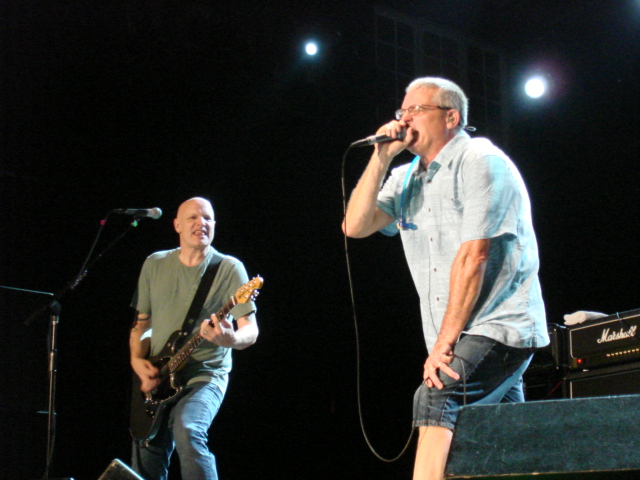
(166, 288)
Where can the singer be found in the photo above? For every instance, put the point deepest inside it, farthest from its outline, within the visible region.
(464, 217)
(166, 287)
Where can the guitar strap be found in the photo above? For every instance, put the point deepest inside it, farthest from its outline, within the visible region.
(201, 295)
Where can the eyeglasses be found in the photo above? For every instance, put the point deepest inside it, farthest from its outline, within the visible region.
(414, 110)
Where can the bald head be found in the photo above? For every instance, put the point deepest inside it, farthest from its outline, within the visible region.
(195, 223)
(200, 201)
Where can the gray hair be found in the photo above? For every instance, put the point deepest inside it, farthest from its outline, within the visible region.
(448, 95)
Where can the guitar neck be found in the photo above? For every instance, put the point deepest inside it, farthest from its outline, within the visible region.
(180, 358)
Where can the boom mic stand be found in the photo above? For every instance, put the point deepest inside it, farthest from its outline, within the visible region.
(54, 307)
(54, 315)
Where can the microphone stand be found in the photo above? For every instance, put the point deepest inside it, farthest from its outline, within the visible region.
(54, 309)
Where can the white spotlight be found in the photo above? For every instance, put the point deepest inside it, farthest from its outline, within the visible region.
(535, 87)
(311, 48)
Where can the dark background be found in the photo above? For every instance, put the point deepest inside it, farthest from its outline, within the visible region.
(123, 104)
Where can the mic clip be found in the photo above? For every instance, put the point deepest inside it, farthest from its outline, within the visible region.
(406, 226)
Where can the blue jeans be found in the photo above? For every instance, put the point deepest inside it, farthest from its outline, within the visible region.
(490, 372)
(185, 428)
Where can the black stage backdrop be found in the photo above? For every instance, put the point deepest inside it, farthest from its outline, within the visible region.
(126, 104)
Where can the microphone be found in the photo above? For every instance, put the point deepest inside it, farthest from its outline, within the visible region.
(379, 139)
(154, 213)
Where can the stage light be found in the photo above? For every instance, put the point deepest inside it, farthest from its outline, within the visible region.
(535, 87)
(311, 48)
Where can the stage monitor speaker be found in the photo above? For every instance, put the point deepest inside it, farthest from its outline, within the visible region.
(586, 438)
(119, 471)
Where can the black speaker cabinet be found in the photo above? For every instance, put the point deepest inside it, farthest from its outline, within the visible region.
(586, 438)
(617, 380)
(119, 471)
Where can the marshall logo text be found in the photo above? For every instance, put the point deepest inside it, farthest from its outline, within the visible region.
(611, 337)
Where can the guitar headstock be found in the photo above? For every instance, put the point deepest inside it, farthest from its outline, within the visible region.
(250, 290)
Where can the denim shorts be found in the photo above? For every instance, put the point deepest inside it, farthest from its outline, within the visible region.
(490, 372)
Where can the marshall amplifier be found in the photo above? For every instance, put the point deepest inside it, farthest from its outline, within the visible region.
(605, 341)
(613, 380)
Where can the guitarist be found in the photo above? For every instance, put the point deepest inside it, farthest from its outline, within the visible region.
(166, 287)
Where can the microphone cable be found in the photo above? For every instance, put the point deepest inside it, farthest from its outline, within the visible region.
(355, 323)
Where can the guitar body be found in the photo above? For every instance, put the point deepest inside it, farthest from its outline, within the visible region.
(149, 409)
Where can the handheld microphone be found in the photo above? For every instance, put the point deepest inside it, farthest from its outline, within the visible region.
(154, 213)
(379, 139)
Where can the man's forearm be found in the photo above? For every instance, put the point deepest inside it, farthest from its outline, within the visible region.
(361, 210)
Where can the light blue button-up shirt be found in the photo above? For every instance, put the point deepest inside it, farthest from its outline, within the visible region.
(470, 191)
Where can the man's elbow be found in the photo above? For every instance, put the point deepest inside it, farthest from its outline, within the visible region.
(475, 254)
(353, 231)
(350, 232)
(250, 336)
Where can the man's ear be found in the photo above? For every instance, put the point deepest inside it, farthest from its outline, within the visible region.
(453, 118)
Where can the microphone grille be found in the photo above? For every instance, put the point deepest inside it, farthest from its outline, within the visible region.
(155, 213)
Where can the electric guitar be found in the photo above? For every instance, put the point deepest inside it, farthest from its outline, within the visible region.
(148, 409)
